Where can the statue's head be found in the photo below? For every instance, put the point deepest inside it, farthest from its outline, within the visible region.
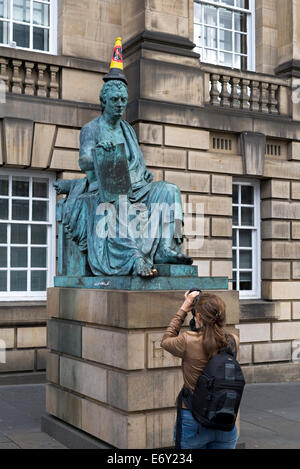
(114, 97)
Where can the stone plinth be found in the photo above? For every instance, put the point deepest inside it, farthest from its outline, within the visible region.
(107, 374)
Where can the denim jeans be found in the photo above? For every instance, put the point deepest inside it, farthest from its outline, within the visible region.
(194, 436)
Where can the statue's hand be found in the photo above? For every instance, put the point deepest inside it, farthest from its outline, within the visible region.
(107, 146)
(148, 176)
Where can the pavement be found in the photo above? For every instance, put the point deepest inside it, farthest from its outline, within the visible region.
(270, 417)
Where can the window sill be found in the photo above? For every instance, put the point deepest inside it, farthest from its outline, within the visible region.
(258, 310)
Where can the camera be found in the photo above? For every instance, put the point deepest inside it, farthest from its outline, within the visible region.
(192, 321)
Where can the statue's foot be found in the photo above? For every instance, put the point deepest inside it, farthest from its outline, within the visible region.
(168, 256)
(143, 269)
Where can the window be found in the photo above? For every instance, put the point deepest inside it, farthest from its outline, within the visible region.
(27, 234)
(28, 24)
(246, 239)
(224, 32)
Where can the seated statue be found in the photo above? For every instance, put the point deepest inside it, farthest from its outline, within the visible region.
(99, 227)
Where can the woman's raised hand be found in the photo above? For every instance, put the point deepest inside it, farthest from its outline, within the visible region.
(189, 301)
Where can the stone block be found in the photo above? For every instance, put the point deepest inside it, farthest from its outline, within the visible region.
(273, 229)
(65, 160)
(273, 189)
(296, 230)
(296, 351)
(178, 8)
(213, 248)
(17, 141)
(65, 337)
(64, 405)
(149, 133)
(260, 332)
(296, 270)
(296, 190)
(245, 354)
(123, 431)
(186, 138)
(221, 227)
(136, 392)
(67, 138)
(276, 352)
(83, 378)
(28, 337)
(166, 23)
(157, 357)
(203, 268)
(53, 367)
(283, 311)
(1, 145)
(296, 310)
(276, 270)
(280, 250)
(189, 182)
(222, 268)
(221, 184)
(278, 209)
(286, 331)
(81, 85)
(215, 163)
(294, 151)
(282, 169)
(160, 428)
(7, 337)
(119, 349)
(281, 290)
(53, 295)
(18, 360)
(42, 145)
(41, 359)
(164, 157)
(212, 205)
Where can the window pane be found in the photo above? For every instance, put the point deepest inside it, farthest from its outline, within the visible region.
(38, 234)
(3, 280)
(228, 2)
(38, 280)
(3, 185)
(198, 12)
(243, 4)
(210, 15)
(3, 233)
(39, 210)
(225, 59)
(225, 18)
(245, 260)
(240, 43)
(38, 257)
(20, 187)
(4, 8)
(41, 39)
(21, 35)
(18, 280)
(19, 234)
(18, 257)
(4, 32)
(234, 238)
(235, 217)
(237, 61)
(3, 257)
(210, 56)
(234, 285)
(21, 10)
(248, 195)
(198, 34)
(235, 194)
(40, 14)
(234, 259)
(4, 209)
(210, 37)
(226, 40)
(40, 188)
(247, 216)
(245, 281)
(20, 209)
(245, 238)
(240, 22)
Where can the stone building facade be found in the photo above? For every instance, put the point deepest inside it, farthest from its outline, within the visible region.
(224, 127)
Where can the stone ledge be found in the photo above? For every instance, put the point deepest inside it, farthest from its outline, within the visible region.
(256, 310)
(12, 379)
(272, 373)
(18, 313)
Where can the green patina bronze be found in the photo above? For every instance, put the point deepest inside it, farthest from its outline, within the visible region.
(118, 193)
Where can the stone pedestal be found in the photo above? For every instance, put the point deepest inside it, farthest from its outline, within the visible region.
(107, 374)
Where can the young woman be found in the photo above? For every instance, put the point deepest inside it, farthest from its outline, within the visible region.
(196, 348)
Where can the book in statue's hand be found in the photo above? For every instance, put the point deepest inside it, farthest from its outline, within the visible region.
(111, 168)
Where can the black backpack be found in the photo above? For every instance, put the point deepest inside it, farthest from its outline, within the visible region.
(217, 395)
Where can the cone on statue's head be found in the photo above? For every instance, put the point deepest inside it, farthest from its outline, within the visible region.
(116, 66)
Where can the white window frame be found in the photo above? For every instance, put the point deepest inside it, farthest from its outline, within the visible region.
(52, 29)
(251, 29)
(51, 245)
(255, 293)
